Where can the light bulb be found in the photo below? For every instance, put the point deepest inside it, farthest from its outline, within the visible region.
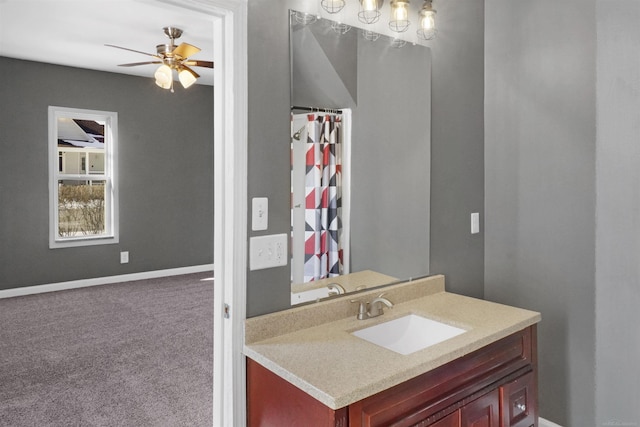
(400, 13)
(369, 5)
(186, 78)
(428, 22)
(427, 17)
(163, 76)
(399, 16)
(369, 12)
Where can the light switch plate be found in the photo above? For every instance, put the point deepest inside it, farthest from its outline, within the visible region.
(124, 257)
(259, 213)
(268, 251)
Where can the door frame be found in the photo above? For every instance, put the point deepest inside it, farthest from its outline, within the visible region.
(230, 204)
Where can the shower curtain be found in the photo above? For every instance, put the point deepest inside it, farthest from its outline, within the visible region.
(323, 197)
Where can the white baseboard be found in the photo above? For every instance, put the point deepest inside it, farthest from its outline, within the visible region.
(546, 423)
(51, 287)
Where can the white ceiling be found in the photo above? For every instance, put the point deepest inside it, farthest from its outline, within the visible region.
(74, 32)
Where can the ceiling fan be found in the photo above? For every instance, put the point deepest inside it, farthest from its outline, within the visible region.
(172, 57)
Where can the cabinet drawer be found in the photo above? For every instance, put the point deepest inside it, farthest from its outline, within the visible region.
(519, 402)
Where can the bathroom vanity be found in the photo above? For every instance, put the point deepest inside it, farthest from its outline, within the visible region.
(306, 367)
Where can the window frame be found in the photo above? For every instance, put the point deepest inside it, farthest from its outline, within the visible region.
(110, 177)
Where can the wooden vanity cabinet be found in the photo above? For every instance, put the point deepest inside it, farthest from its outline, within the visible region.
(495, 386)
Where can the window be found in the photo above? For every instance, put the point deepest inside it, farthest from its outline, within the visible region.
(83, 196)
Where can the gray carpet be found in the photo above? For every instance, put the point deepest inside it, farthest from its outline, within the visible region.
(131, 354)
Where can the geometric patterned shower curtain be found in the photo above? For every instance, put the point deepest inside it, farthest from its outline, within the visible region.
(323, 197)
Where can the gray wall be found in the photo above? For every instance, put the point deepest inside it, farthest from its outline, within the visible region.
(540, 147)
(618, 213)
(165, 166)
(268, 134)
(457, 134)
(457, 144)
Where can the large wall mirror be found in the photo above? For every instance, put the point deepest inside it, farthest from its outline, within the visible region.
(360, 150)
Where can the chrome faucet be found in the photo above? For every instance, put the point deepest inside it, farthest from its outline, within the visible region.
(375, 308)
(335, 289)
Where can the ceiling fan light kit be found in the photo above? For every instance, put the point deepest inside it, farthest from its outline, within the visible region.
(187, 78)
(164, 76)
(172, 57)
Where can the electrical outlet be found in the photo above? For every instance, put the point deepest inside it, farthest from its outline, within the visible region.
(475, 223)
(268, 251)
(124, 257)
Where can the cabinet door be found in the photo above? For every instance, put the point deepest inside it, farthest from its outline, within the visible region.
(519, 399)
(272, 401)
(482, 412)
(452, 420)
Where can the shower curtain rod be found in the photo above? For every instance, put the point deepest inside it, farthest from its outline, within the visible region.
(314, 109)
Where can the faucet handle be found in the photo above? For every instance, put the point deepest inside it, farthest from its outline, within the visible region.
(362, 308)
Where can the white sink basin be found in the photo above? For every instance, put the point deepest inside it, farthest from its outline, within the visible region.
(408, 334)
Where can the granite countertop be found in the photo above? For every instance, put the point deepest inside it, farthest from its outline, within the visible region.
(312, 346)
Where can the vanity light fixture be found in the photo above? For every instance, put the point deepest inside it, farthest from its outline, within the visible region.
(427, 21)
(340, 28)
(369, 11)
(370, 35)
(305, 18)
(398, 43)
(332, 6)
(399, 21)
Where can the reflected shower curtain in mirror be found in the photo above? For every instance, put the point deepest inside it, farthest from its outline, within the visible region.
(323, 197)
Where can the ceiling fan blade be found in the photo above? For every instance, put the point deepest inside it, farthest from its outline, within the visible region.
(132, 50)
(135, 64)
(185, 50)
(198, 63)
(196, 75)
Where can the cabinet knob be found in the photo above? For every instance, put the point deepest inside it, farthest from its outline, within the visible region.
(521, 406)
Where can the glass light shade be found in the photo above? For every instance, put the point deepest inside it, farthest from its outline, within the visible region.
(332, 6)
(164, 76)
(186, 78)
(427, 16)
(369, 11)
(399, 21)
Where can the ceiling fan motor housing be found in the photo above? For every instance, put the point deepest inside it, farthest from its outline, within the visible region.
(165, 50)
